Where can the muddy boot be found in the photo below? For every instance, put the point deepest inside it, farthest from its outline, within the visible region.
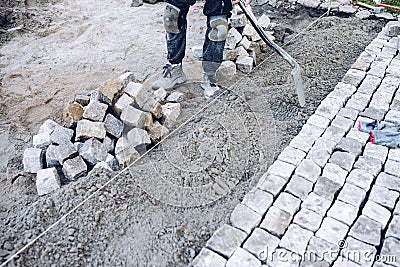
(210, 89)
(172, 76)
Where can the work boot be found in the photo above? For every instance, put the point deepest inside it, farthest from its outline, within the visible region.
(172, 75)
(210, 88)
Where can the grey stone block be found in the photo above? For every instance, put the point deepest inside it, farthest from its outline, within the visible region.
(308, 219)
(292, 155)
(244, 218)
(334, 133)
(296, 239)
(342, 123)
(368, 164)
(160, 94)
(272, 184)
(109, 143)
(316, 203)
(394, 154)
(352, 194)
(394, 227)
(308, 170)
(87, 129)
(392, 167)
(48, 127)
(391, 246)
(226, 240)
(335, 173)
(343, 212)
(112, 162)
(376, 151)
(299, 187)
(126, 78)
(281, 169)
(319, 121)
(360, 178)
(344, 160)
(113, 126)
(348, 113)
(325, 144)
(366, 230)
(243, 258)
(133, 117)
(61, 135)
(258, 200)
(51, 157)
(302, 142)
(287, 202)
(66, 150)
(349, 145)
(326, 188)
(171, 112)
(244, 64)
(354, 246)
(238, 21)
(319, 155)
(320, 247)
(312, 130)
(358, 101)
(109, 90)
(137, 137)
(393, 116)
(377, 69)
(360, 137)
(376, 212)
(332, 230)
(208, 258)
(354, 77)
(41, 140)
(47, 180)
(95, 111)
(384, 196)
(124, 101)
(93, 151)
(389, 181)
(125, 153)
(261, 244)
(369, 85)
(343, 262)
(373, 113)
(74, 168)
(157, 132)
(284, 257)
(276, 221)
(175, 97)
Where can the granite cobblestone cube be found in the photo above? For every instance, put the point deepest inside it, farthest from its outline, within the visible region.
(74, 168)
(318, 155)
(394, 154)
(299, 187)
(51, 157)
(276, 221)
(243, 258)
(332, 230)
(335, 173)
(348, 113)
(308, 219)
(47, 180)
(258, 200)
(326, 188)
(334, 133)
(87, 129)
(352, 194)
(61, 134)
(354, 77)
(41, 140)
(354, 246)
(358, 101)
(296, 239)
(95, 111)
(282, 169)
(303, 142)
(389, 181)
(343, 212)
(93, 151)
(392, 167)
(369, 164)
(394, 227)
(65, 151)
(369, 85)
(376, 212)
(342, 123)
(349, 145)
(360, 137)
(391, 246)
(344, 160)
(113, 126)
(308, 170)
(287, 202)
(366, 230)
(226, 240)
(208, 258)
(384, 196)
(261, 244)
(318, 121)
(292, 155)
(319, 246)
(272, 184)
(373, 113)
(245, 218)
(316, 203)
(361, 179)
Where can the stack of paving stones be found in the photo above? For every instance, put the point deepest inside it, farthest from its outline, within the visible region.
(243, 44)
(109, 128)
(332, 197)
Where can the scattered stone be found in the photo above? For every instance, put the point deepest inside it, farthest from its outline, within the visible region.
(86, 129)
(112, 162)
(126, 78)
(41, 140)
(366, 230)
(157, 132)
(113, 126)
(244, 218)
(124, 101)
(241, 51)
(226, 240)
(48, 127)
(95, 111)
(264, 21)
(109, 143)
(363, 14)
(74, 168)
(229, 55)
(276, 221)
(66, 150)
(160, 94)
(135, 90)
(125, 153)
(171, 112)
(133, 117)
(245, 43)
(233, 38)
(244, 64)
(226, 71)
(175, 97)
(296, 239)
(83, 100)
(73, 113)
(137, 137)
(109, 90)
(47, 180)
(51, 157)
(93, 151)
(33, 160)
(238, 21)
(61, 135)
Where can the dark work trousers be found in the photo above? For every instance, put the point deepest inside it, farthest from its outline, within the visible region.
(212, 51)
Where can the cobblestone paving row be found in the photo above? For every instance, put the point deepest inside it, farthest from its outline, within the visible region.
(332, 197)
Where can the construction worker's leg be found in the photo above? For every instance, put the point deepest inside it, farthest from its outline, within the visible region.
(213, 48)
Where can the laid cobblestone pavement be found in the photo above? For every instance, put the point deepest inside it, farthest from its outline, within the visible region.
(332, 197)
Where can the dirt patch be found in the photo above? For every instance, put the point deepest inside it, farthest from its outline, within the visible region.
(125, 224)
